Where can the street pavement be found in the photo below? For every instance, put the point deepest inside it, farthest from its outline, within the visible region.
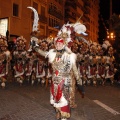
(28, 102)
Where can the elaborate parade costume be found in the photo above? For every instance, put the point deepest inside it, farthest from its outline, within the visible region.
(4, 60)
(100, 73)
(19, 58)
(110, 69)
(30, 67)
(40, 71)
(63, 63)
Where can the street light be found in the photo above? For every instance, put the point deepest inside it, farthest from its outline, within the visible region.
(111, 36)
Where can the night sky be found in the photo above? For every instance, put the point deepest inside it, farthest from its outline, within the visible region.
(105, 8)
(105, 16)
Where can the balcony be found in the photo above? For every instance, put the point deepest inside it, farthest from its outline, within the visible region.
(70, 8)
(42, 18)
(55, 13)
(86, 2)
(86, 19)
(68, 15)
(87, 11)
(71, 4)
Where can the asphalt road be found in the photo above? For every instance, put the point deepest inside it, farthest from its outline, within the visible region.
(28, 102)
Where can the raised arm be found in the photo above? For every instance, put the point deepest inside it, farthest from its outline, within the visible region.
(35, 46)
(41, 52)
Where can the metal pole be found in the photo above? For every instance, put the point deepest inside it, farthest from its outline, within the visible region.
(110, 14)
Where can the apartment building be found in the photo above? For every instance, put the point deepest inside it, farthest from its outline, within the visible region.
(85, 11)
(94, 17)
(55, 16)
(18, 19)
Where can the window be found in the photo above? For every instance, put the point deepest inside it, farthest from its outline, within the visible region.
(3, 26)
(35, 5)
(54, 23)
(42, 11)
(42, 30)
(15, 10)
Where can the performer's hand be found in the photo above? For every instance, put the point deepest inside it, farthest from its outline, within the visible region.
(81, 90)
(33, 43)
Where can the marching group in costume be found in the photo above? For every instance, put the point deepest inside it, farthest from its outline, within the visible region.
(96, 63)
(5, 58)
(67, 61)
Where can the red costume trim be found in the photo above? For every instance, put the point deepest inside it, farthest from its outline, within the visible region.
(58, 94)
(59, 40)
(65, 109)
(1, 68)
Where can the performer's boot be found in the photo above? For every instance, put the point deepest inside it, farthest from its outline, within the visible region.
(46, 83)
(38, 80)
(63, 118)
(21, 82)
(32, 83)
(112, 81)
(94, 83)
(82, 94)
(58, 115)
(3, 84)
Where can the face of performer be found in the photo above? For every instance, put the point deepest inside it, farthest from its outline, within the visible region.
(59, 45)
(3, 48)
(19, 47)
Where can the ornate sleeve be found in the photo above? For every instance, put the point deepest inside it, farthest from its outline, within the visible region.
(41, 52)
(76, 74)
(73, 58)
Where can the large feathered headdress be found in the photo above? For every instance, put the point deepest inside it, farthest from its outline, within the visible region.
(68, 31)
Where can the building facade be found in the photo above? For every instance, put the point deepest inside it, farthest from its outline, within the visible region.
(52, 15)
(85, 11)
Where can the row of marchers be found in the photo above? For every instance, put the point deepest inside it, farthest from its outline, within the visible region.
(95, 63)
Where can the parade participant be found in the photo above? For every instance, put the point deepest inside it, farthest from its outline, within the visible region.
(100, 73)
(5, 58)
(19, 58)
(83, 58)
(40, 71)
(110, 68)
(109, 62)
(92, 67)
(63, 62)
(30, 67)
(69, 32)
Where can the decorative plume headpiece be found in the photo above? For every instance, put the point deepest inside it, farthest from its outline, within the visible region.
(68, 31)
(21, 41)
(36, 18)
(106, 44)
(3, 41)
(35, 32)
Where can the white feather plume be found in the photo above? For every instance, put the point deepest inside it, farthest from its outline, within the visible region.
(79, 28)
(36, 18)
